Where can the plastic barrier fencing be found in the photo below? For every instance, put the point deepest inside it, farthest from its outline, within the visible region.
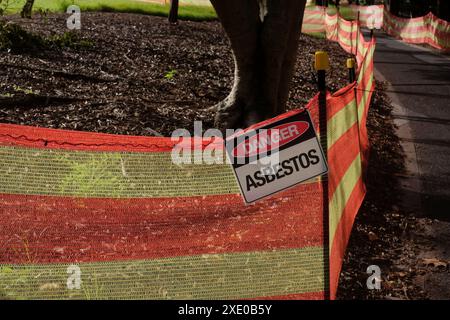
(369, 16)
(98, 216)
(314, 19)
(423, 30)
(347, 139)
(138, 226)
(426, 30)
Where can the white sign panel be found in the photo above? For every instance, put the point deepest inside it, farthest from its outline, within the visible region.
(275, 156)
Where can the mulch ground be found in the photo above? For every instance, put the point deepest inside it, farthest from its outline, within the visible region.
(142, 76)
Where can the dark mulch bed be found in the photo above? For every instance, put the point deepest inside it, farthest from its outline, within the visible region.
(143, 76)
(140, 75)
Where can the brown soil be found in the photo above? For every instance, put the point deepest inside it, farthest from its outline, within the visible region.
(142, 75)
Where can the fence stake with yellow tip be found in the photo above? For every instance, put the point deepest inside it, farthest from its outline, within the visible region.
(351, 70)
(322, 64)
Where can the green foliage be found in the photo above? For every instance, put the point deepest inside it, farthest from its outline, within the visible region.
(43, 14)
(188, 12)
(93, 175)
(320, 35)
(18, 40)
(345, 11)
(170, 75)
(69, 39)
(5, 5)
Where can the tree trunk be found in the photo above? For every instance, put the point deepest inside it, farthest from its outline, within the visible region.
(173, 13)
(27, 9)
(264, 38)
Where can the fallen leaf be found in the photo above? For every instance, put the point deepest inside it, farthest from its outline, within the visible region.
(58, 250)
(434, 262)
(373, 236)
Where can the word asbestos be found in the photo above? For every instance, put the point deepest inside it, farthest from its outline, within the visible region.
(226, 309)
(266, 158)
(281, 170)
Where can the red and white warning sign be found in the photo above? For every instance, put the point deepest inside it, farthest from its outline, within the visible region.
(275, 156)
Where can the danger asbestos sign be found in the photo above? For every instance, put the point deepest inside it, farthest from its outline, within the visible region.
(276, 155)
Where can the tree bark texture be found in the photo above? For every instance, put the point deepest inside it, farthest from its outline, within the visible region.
(264, 38)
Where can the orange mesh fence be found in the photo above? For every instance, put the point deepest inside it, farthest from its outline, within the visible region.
(138, 226)
(347, 34)
(428, 29)
(369, 16)
(314, 19)
(348, 158)
(423, 30)
(116, 212)
(348, 146)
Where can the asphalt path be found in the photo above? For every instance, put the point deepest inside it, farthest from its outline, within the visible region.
(418, 82)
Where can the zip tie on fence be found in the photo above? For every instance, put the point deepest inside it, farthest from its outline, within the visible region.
(45, 142)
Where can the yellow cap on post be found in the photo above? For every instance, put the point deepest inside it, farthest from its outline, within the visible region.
(322, 62)
(350, 63)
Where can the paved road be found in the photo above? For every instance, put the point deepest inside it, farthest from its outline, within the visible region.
(419, 86)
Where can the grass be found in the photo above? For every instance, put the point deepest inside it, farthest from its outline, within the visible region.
(345, 12)
(319, 35)
(187, 12)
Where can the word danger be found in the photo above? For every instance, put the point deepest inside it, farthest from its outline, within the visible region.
(269, 140)
(207, 148)
(286, 168)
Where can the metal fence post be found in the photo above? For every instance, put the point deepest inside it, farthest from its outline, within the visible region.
(321, 65)
(351, 70)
